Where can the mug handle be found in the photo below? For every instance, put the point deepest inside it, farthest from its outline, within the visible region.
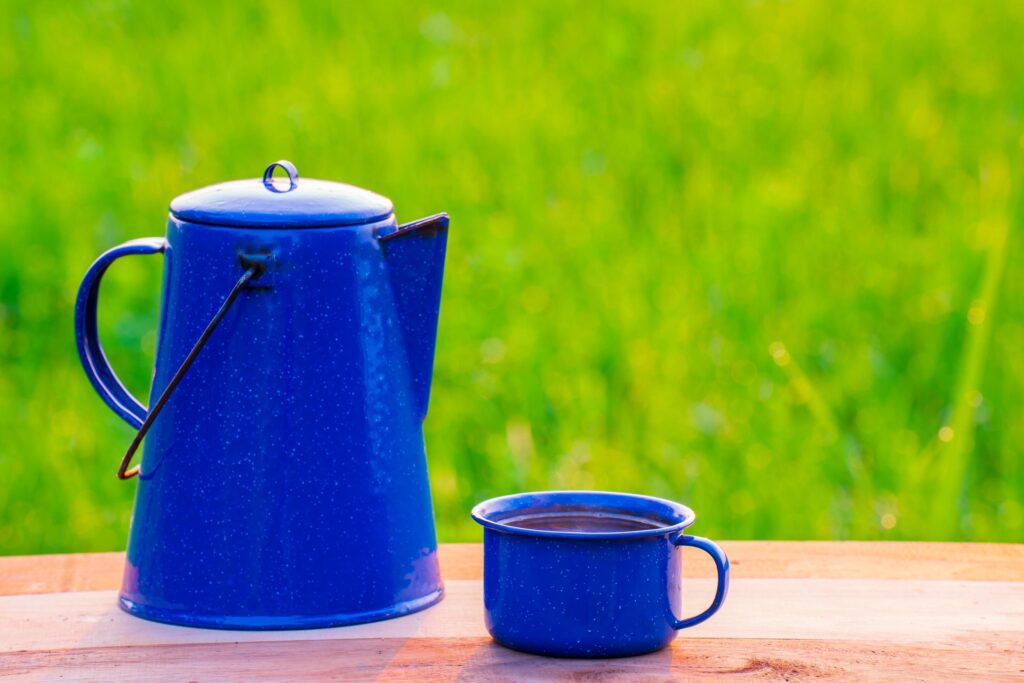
(721, 563)
(94, 361)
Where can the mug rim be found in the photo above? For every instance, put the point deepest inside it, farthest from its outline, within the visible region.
(483, 512)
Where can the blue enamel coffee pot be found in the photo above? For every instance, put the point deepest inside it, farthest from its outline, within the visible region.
(283, 481)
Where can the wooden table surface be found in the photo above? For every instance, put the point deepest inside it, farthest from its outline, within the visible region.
(893, 611)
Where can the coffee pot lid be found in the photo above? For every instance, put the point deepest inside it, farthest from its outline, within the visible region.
(290, 202)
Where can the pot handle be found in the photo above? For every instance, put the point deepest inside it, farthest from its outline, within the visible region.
(95, 362)
(97, 367)
(721, 564)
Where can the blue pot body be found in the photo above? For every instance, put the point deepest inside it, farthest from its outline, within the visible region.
(284, 485)
(577, 594)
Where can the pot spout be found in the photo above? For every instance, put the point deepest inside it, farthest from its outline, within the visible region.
(415, 256)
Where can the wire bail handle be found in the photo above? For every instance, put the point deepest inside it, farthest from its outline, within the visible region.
(254, 268)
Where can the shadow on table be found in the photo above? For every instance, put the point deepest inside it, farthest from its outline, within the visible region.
(113, 645)
(492, 662)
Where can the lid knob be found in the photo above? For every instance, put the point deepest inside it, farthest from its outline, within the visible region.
(289, 168)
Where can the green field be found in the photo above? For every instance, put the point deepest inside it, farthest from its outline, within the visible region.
(760, 257)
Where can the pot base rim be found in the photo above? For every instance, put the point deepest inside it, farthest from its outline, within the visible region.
(276, 623)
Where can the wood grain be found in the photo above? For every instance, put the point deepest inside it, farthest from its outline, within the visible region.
(479, 659)
(754, 559)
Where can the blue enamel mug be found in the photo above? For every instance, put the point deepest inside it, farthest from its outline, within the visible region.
(588, 573)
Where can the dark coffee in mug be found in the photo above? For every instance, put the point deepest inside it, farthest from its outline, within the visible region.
(582, 520)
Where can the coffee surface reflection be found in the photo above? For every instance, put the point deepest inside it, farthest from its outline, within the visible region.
(582, 522)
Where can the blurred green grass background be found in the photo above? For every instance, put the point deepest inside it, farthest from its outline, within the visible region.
(759, 257)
